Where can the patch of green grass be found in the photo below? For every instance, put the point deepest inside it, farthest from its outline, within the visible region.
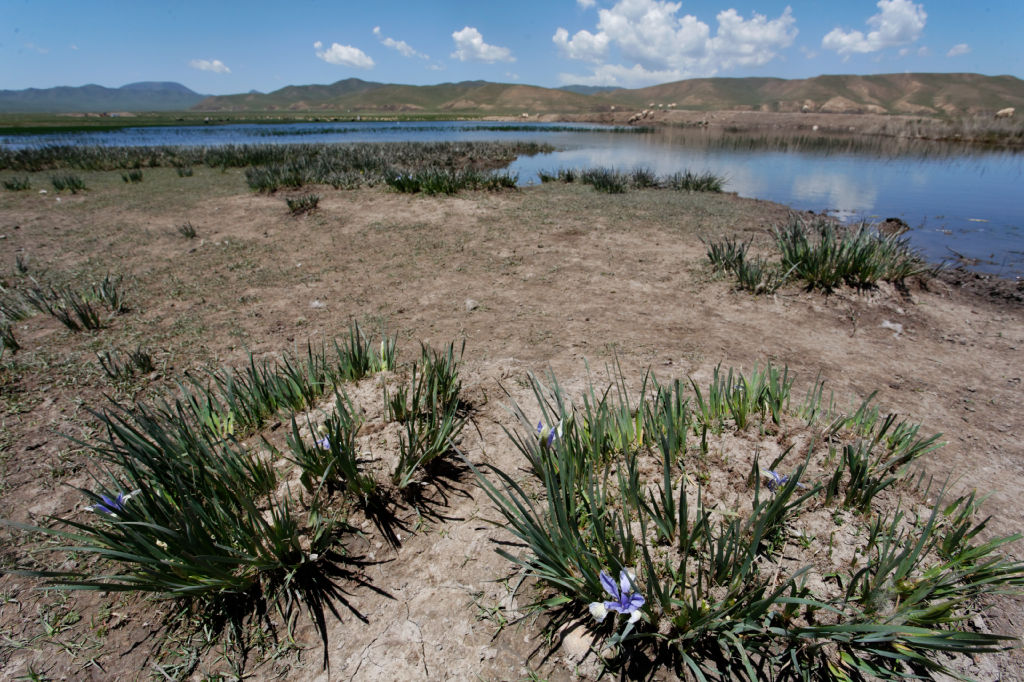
(18, 184)
(824, 257)
(68, 181)
(688, 181)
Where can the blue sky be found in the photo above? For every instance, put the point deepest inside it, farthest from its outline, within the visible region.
(222, 47)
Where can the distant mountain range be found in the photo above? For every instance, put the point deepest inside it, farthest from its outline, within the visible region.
(147, 96)
(917, 94)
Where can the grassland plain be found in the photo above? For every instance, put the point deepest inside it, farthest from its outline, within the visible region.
(555, 276)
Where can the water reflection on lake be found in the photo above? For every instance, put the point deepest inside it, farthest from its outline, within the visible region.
(958, 200)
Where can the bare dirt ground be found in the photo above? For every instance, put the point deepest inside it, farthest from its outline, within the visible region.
(551, 277)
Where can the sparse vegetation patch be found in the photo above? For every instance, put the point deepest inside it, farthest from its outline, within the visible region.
(652, 523)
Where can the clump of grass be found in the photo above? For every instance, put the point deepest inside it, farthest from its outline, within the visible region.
(124, 367)
(184, 512)
(79, 309)
(67, 181)
(568, 175)
(605, 180)
(759, 276)
(727, 254)
(76, 310)
(187, 230)
(303, 203)
(132, 176)
(825, 257)
(18, 184)
(184, 171)
(706, 588)
(615, 182)
(332, 461)
(434, 419)
(7, 339)
(433, 181)
(13, 304)
(689, 181)
(111, 291)
(642, 178)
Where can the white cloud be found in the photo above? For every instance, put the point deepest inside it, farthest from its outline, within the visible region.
(898, 22)
(586, 4)
(343, 55)
(403, 48)
(470, 47)
(622, 76)
(959, 49)
(584, 46)
(214, 65)
(751, 43)
(658, 45)
(923, 51)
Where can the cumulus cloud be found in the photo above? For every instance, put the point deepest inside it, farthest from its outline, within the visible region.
(403, 48)
(470, 47)
(751, 43)
(585, 45)
(343, 55)
(214, 65)
(586, 4)
(958, 49)
(898, 22)
(658, 45)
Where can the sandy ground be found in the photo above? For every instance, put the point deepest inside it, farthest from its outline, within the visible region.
(552, 277)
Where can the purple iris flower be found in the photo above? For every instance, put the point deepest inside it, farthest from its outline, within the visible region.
(775, 479)
(626, 600)
(554, 433)
(111, 505)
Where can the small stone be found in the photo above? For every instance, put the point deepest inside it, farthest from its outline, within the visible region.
(317, 304)
(576, 644)
(471, 305)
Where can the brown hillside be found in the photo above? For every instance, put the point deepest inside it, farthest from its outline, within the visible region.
(929, 94)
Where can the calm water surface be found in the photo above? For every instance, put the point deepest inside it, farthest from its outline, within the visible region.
(958, 202)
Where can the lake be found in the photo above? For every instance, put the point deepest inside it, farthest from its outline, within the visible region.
(959, 202)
